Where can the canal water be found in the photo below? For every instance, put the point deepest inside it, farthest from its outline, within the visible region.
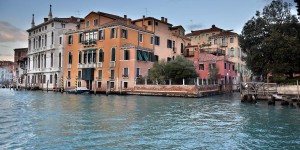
(41, 120)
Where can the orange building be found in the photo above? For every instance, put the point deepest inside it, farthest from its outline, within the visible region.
(107, 51)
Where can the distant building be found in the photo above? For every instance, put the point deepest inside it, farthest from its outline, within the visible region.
(20, 66)
(45, 50)
(6, 72)
(219, 42)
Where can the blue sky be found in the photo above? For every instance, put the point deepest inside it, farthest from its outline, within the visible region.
(16, 15)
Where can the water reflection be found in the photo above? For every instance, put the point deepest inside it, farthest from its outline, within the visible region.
(41, 120)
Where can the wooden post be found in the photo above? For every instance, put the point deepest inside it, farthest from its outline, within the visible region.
(95, 87)
(47, 84)
(298, 89)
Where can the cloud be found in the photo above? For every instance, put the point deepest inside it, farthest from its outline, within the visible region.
(195, 26)
(10, 33)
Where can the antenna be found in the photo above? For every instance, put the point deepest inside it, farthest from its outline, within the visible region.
(77, 13)
(146, 12)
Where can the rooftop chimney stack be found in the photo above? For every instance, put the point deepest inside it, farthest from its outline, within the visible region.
(125, 17)
(32, 22)
(166, 20)
(162, 19)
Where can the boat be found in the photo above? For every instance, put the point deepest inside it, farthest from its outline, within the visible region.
(79, 90)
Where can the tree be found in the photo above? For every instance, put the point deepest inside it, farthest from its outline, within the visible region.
(175, 70)
(213, 71)
(271, 41)
(298, 6)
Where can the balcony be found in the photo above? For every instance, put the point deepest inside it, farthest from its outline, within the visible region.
(91, 65)
(223, 44)
(99, 64)
(112, 64)
(125, 75)
(89, 42)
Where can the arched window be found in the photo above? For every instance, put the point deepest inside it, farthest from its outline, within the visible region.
(101, 55)
(45, 39)
(59, 59)
(52, 37)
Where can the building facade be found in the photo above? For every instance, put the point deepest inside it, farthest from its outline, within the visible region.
(110, 52)
(6, 72)
(220, 42)
(45, 51)
(20, 66)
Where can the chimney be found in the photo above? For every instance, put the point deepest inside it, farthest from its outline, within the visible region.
(213, 26)
(125, 17)
(32, 22)
(162, 19)
(45, 19)
(143, 16)
(128, 21)
(166, 20)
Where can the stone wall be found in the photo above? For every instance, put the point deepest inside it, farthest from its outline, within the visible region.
(288, 89)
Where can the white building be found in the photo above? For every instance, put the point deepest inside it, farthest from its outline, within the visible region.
(45, 50)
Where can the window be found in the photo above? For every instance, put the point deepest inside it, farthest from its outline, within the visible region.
(70, 39)
(69, 84)
(140, 37)
(201, 66)
(69, 75)
(138, 72)
(80, 57)
(45, 27)
(79, 74)
(142, 55)
(59, 60)
(79, 84)
(51, 60)
(70, 58)
(45, 39)
(157, 40)
(44, 78)
(151, 40)
(101, 35)
(149, 23)
(124, 33)
(52, 37)
(101, 55)
(224, 65)
(50, 78)
(113, 33)
(99, 84)
(112, 84)
(232, 66)
(80, 38)
(181, 48)
(156, 23)
(95, 22)
(125, 72)
(113, 54)
(212, 66)
(99, 74)
(87, 23)
(169, 44)
(60, 40)
(156, 58)
(126, 55)
(94, 56)
(125, 85)
(112, 74)
(63, 25)
(231, 40)
(169, 59)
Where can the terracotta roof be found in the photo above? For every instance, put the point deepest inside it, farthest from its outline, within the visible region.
(106, 15)
(176, 27)
(197, 32)
(204, 57)
(225, 33)
(150, 18)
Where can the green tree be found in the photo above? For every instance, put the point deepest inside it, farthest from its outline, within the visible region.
(271, 41)
(175, 70)
(213, 71)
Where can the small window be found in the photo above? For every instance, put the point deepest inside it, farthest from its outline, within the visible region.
(63, 25)
(156, 23)
(44, 78)
(126, 55)
(101, 55)
(80, 38)
(225, 65)
(60, 40)
(169, 44)
(51, 79)
(79, 84)
(112, 74)
(99, 74)
(69, 84)
(140, 37)
(113, 33)
(95, 22)
(157, 40)
(201, 66)
(69, 74)
(79, 75)
(101, 35)
(231, 40)
(99, 84)
(70, 58)
(124, 33)
(151, 40)
(87, 23)
(125, 85)
(149, 23)
(138, 73)
(70, 39)
(113, 54)
(125, 72)
(45, 27)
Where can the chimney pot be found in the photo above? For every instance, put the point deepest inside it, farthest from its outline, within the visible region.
(166, 20)
(125, 17)
(163, 19)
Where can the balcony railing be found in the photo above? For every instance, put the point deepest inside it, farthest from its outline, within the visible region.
(112, 64)
(89, 42)
(91, 65)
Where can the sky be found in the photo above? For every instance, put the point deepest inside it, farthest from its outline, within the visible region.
(16, 15)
